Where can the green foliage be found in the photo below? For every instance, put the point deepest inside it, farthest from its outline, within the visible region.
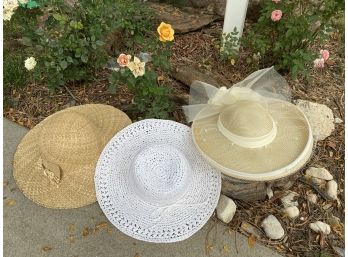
(286, 43)
(150, 99)
(230, 45)
(134, 19)
(30, 5)
(69, 43)
(15, 75)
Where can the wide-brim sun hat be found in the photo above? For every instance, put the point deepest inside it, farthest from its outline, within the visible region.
(250, 131)
(54, 164)
(153, 184)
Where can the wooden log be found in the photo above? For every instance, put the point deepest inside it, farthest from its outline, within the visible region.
(187, 74)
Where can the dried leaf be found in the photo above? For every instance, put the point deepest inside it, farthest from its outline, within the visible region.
(330, 62)
(86, 231)
(72, 228)
(322, 241)
(250, 229)
(210, 247)
(137, 255)
(226, 248)
(251, 240)
(332, 145)
(46, 248)
(10, 202)
(101, 225)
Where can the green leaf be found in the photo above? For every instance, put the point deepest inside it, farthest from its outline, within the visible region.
(26, 41)
(99, 43)
(57, 16)
(63, 64)
(84, 58)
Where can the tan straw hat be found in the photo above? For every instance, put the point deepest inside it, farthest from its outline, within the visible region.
(250, 131)
(55, 162)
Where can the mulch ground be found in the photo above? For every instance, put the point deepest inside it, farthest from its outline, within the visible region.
(31, 104)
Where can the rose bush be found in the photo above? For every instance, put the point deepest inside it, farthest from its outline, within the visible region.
(286, 31)
(151, 100)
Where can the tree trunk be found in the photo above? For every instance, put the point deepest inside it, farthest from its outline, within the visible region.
(249, 191)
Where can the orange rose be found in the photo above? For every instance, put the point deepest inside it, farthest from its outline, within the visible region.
(123, 60)
(166, 32)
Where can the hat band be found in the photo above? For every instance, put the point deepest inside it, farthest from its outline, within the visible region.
(248, 142)
(50, 170)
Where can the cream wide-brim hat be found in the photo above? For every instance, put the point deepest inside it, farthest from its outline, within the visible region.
(153, 184)
(287, 153)
(250, 131)
(55, 162)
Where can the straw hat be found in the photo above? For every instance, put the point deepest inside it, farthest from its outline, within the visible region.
(152, 183)
(55, 162)
(252, 134)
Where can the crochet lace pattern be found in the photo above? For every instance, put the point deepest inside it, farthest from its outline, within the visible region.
(152, 183)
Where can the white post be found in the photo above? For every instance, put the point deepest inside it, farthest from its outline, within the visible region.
(235, 17)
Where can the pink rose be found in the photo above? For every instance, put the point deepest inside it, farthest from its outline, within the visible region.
(319, 63)
(123, 60)
(276, 1)
(276, 15)
(325, 54)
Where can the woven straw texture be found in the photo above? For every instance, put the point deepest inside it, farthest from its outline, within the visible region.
(152, 183)
(290, 149)
(69, 142)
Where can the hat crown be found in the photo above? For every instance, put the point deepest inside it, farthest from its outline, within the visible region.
(69, 138)
(247, 119)
(160, 174)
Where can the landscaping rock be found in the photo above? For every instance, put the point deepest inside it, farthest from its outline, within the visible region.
(272, 227)
(320, 173)
(313, 198)
(292, 212)
(318, 181)
(181, 21)
(225, 209)
(331, 189)
(338, 121)
(288, 200)
(320, 227)
(320, 118)
(269, 192)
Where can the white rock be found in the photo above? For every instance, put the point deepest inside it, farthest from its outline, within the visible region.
(318, 181)
(320, 118)
(289, 200)
(338, 120)
(272, 227)
(320, 227)
(320, 173)
(313, 198)
(331, 189)
(269, 192)
(226, 208)
(292, 212)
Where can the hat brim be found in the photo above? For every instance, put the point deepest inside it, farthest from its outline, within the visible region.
(76, 188)
(289, 151)
(149, 221)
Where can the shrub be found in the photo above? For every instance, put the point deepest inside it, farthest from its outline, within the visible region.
(286, 30)
(151, 100)
(69, 42)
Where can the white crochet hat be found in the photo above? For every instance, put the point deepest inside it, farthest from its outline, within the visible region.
(152, 183)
